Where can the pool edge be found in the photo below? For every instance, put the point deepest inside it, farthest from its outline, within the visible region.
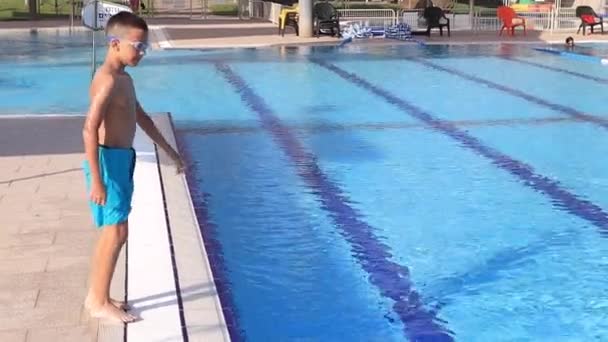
(202, 309)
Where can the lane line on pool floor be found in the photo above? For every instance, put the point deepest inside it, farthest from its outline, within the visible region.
(210, 128)
(559, 196)
(572, 112)
(391, 279)
(596, 79)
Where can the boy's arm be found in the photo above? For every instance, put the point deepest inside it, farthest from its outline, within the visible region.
(90, 135)
(147, 124)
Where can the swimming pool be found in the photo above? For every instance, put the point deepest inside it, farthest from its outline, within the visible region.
(379, 193)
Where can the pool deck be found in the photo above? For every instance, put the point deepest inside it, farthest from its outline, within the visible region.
(46, 235)
(230, 33)
(47, 238)
(264, 35)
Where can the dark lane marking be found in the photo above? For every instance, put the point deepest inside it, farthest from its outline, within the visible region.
(332, 127)
(597, 79)
(391, 279)
(518, 93)
(560, 197)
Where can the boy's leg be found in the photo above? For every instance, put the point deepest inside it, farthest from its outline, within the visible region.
(106, 253)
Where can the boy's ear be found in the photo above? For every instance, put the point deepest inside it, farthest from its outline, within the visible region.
(114, 43)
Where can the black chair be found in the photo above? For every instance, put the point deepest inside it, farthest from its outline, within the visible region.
(589, 18)
(326, 18)
(291, 19)
(435, 18)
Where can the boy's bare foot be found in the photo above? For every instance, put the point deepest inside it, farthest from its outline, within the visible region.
(120, 304)
(117, 303)
(110, 311)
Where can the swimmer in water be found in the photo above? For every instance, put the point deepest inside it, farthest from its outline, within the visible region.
(569, 42)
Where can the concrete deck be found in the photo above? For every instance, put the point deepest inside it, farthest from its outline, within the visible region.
(239, 37)
(46, 235)
(230, 32)
(46, 239)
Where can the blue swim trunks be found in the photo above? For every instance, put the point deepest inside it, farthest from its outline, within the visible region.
(116, 166)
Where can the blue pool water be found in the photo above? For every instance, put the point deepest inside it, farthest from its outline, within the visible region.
(387, 193)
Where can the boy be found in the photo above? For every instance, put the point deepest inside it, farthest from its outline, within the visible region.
(108, 135)
(569, 42)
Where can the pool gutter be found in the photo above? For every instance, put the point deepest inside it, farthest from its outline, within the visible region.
(199, 313)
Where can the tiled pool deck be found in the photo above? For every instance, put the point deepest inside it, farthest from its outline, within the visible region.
(46, 239)
(226, 33)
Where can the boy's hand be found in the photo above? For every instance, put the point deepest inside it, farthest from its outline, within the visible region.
(177, 159)
(179, 164)
(98, 193)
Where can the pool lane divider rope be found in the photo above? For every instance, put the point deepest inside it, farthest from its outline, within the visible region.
(391, 279)
(579, 57)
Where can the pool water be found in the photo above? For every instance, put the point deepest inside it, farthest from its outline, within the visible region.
(378, 193)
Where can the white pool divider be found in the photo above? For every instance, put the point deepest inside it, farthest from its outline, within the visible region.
(150, 285)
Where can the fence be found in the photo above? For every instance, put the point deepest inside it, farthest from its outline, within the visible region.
(369, 17)
(486, 20)
(193, 8)
(376, 17)
(413, 18)
(562, 19)
(565, 19)
(172, 6)
(373, 17)
(483, 19)
(264, 10)
(19, 9)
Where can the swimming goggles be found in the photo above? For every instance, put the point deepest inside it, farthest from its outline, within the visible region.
(141, 47)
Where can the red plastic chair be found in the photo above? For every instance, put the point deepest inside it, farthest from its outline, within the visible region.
(510, 20)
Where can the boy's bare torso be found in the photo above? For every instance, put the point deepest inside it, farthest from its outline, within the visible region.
(118, 126)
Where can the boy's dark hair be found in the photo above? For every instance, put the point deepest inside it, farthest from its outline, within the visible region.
(126, 20)
(569, 40)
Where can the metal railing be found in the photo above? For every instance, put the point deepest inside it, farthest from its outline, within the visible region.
(538, 21)
(173, 6)
(552, 20)
(369, 17)
(486, 20)
(265, 10)
(564, 19)
(256, 9)
(192, 8)
(413, 18)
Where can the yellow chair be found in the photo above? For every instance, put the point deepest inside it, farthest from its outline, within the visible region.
(289, 17)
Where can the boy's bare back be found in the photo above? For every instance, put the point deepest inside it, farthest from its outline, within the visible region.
(117, 128)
